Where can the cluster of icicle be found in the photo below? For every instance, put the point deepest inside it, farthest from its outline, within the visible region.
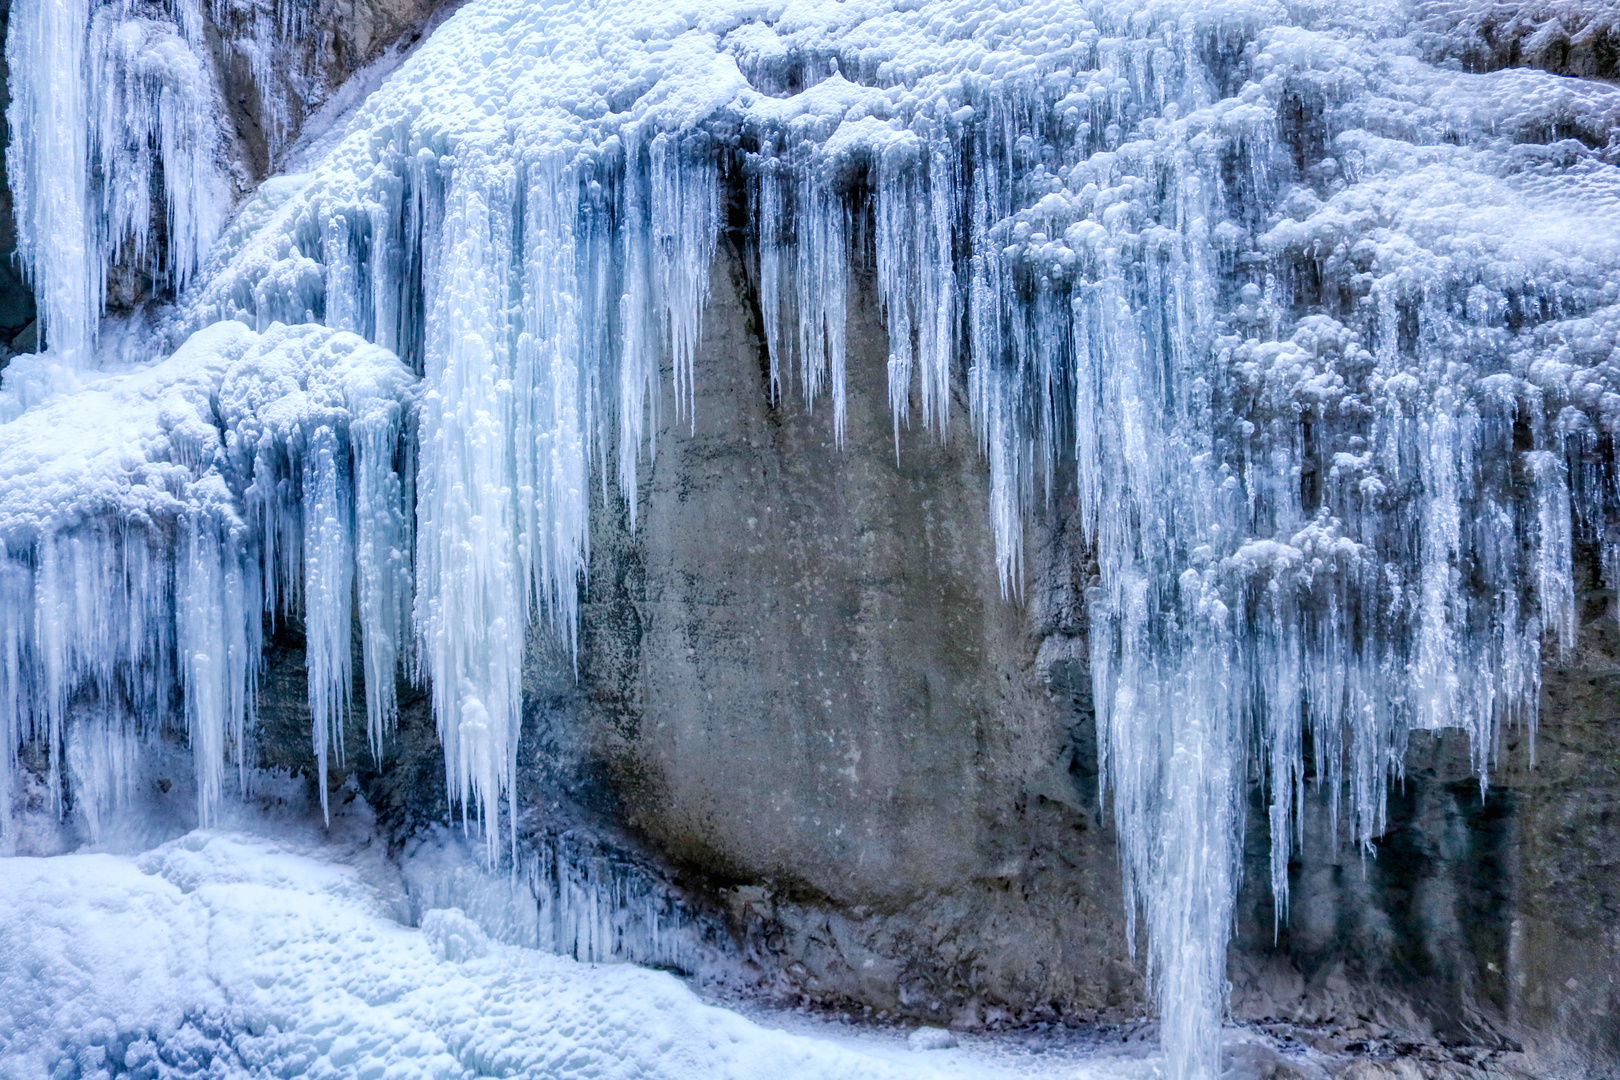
(167, 515)
(565, 894)
(1315, 520)
(268, 36)
(536, 299)
(106, 99)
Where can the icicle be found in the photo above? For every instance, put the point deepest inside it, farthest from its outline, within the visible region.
(639, 331)
(381, 553)
(103, 751)
(917, 209)
(685, 212)
(103, 100)
(770, 225)
(820, 280)
(328, 588)
(555, 386)
(48, 168)
(470, 601)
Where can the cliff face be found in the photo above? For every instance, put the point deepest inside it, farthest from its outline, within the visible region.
(816, 697)
(277, 66)
(800, 685)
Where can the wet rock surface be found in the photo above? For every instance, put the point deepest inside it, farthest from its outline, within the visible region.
(799, 684)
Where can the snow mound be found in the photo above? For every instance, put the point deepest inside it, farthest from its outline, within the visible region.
(229, 956)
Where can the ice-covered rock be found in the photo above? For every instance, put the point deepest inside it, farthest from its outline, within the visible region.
(1322, 324)
(930, 1038)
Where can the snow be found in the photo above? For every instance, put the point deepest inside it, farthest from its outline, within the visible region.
(236, 955)
(930, 1038)
(1285, 284)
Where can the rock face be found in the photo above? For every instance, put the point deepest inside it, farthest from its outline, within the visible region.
(807, 686)
(1480, 915)
(799, 684)
(317, 49)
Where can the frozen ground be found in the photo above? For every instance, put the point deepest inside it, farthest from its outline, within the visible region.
(227, 954)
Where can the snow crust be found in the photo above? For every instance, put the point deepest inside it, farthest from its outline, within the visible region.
(228, 955)
(1325, 327)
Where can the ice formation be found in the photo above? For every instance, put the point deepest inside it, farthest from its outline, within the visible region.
(1322, 326)
(566, 895)
(155, 518)
(108, 97)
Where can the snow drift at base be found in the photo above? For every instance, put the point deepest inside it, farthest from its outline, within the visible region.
(232, 956)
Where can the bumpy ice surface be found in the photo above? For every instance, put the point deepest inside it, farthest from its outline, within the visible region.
(225, 955)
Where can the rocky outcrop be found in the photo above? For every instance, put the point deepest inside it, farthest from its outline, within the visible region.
(278, 65)
(1565, 37)
(316, 49)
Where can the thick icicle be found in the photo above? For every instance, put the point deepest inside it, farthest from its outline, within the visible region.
(104, 100)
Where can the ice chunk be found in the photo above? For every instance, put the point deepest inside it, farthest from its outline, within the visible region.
(152, 519)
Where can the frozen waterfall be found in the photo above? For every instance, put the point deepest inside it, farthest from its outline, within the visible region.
(108, 99)
(1336, 398)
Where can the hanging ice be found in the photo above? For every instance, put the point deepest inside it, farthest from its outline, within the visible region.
(155, 518)
(106, 98)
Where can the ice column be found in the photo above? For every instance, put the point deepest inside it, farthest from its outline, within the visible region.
(48, 167)
(103, 99)
(525, 338)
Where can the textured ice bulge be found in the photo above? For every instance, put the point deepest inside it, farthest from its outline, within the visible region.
(155, 518)
(1322, 326)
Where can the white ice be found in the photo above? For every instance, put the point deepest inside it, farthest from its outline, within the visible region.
(238, 956)
(153, 518)
(106, 96)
